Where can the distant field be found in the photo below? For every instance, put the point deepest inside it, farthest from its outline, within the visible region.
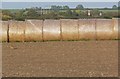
(109, 10)
(14, 10)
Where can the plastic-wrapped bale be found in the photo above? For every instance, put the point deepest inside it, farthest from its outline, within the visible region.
(69, 29)
(115, 29)
(3, 31)
(104, 29)
(33, 30)
(51, 30)
(16, 31)
(87, 29)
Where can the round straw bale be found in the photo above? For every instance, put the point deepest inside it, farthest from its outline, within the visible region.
(69, 29)
(4, 31)
(87, 29)
(104, 29)
(51, 30)
(118, 23)
(33, 31)
(0, 31)
(16, 31)
(115, 22)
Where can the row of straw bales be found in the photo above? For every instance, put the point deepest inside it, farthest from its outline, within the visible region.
(64, 29)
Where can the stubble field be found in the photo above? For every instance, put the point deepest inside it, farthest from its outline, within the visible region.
(60, 59)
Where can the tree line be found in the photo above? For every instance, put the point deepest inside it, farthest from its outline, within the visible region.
(59, 12)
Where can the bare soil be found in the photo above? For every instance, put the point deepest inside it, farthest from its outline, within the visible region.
(60, 59)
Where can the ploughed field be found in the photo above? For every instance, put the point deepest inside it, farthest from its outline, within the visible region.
(60, 59)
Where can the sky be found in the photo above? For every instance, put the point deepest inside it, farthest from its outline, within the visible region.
(21, 5)
(59, 0)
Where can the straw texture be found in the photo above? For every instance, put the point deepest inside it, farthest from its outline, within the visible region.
(69, 29)
(51, 30)
(4, 31)
(16, 31)
(33, 30)
(104, 29)
(87, 29)
(115, 29)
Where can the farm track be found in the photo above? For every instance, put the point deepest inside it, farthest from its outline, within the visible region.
(60, 59)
